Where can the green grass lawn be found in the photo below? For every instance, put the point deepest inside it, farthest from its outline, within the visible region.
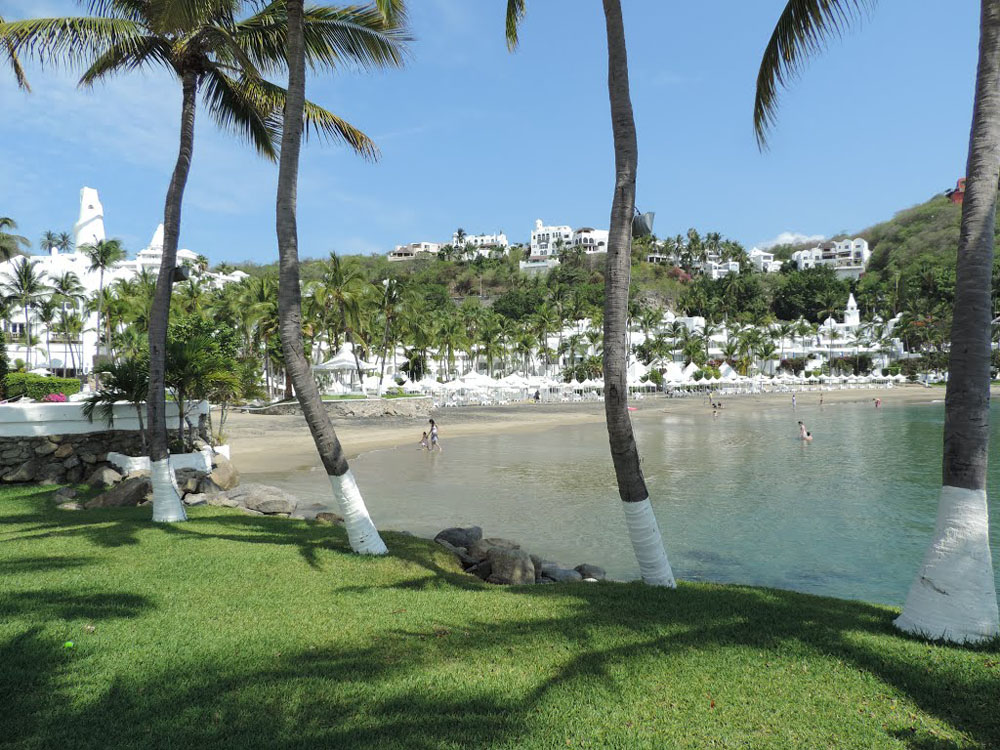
(234, 631)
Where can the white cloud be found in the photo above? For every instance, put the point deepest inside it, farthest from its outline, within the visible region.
(791, 238)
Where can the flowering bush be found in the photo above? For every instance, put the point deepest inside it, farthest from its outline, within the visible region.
(54, 398)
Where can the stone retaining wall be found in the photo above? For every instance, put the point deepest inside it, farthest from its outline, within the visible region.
(417, 406)
(57, 459)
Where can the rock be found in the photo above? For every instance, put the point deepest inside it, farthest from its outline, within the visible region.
(23, 473)
(88, 458)
(263, 498)
(50, 473)
(195, 499)
(328, 518)
(480, 549)
(70, 463)
(481, 570)
(199, 445)
(251, 511)
(71, 505)
(224, 474)
(130, 492)
(75, 474)
(207, 487)
(591, 571)
(66, 493)
(46, 448)
(510, 566)
(104, 477)
(220, 500)
(188, 479)
(459, 537)
(63, 451)
(560, 574)
(460, 552)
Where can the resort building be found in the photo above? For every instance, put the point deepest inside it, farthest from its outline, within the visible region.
(414, 250)
(764, 261)
(591, 240)
(848, 258)
(547, 241)
(76, 354)
(957, 194)
(482, 242)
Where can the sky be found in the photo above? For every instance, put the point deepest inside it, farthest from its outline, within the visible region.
(472, 136)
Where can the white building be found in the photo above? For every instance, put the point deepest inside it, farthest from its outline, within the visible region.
(764, 261)
(77, 355)
(591, 240)
(414, 250)
(546, 241)
(482, 242)
(848, 258)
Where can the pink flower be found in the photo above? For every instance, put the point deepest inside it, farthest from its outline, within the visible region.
(54, 398)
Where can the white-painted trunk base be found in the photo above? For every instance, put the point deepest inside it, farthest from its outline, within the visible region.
(644, 533)
(361, 532)
(953, 597)
(167, 505)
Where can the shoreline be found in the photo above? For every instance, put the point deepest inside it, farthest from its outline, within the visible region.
(268, 444)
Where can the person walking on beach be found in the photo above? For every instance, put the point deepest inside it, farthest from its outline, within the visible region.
(435, 443)
(878, 403)
(793, 403)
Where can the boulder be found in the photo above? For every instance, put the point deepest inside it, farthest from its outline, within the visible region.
(23, 473)
(591, 571)
(88, 458)
(46, 448)
(510, 566)
(75, 474)
(50, 473)
(328, 518)
(70, 505)
(220, 500)
(460, 552)
(251, 511)
(207, 487)
(70, 463)
(188, 479)
(481, 570)
(263, 498)
(560, 574)
(460, 537)
(193, 498)
(64, 451)
(128, 493)
(104, 477)
(224, 474)
(66, 493)
(480, 549)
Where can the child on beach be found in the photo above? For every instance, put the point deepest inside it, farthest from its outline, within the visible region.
(423, 442)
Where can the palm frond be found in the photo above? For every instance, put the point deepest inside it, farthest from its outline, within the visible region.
(238, 106)
(334, 37)
(131, 54)
(802, 30)
(394, 11)
(130, 10)
(68, 40)
(180, 16)
(318, 122)
(515, 13)
(15, 64)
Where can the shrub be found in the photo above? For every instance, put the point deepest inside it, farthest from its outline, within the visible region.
(4, 366)
(39, 386)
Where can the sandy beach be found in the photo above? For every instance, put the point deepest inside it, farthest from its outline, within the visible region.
(266, 444)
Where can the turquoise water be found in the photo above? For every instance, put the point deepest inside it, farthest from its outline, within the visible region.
(739, 498)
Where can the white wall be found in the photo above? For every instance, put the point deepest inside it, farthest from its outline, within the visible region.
(37, 419)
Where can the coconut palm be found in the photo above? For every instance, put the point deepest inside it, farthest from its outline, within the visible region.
(378, 46)
(126, 379)
(212, 51)
(102, 255)
(10, 244)
(25, 286)
(953, 596)
(643, 529)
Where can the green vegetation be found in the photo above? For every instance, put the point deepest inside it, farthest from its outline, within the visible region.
(238, 631)
(39, 386)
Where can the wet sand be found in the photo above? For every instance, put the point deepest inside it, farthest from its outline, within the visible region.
(267, 444)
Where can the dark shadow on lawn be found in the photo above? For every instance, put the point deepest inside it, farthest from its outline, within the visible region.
(66, 605)
(19, 565)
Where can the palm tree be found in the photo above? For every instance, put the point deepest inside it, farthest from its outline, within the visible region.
(953, 596)
(643, 529)
(374, 43)
(102, 255)
(25, 287)
(7, 50)
(209, 50)
(126, 379)
(10, 244)
(48, 241)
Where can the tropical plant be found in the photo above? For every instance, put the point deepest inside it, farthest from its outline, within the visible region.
(375, 43)
(25, 286)
(10, 244)
(102, 255)
(953, 596)
(7, 50)
(125, 379)
(643, 529)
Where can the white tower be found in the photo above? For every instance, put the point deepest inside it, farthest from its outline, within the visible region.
(851, 315)
(90, 226)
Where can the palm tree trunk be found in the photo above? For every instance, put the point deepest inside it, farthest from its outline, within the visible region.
(643, 530)
(167, 504)
(142, 429)
(27, 339)
(953, 596)
(361, 532)
(97, 351)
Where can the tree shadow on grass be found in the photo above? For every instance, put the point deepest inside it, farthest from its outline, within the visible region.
(43, 564)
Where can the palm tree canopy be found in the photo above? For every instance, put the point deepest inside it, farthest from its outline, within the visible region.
(10, 244)
(227, 54)
(103, 254)
(7, 50)
(802, 30)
